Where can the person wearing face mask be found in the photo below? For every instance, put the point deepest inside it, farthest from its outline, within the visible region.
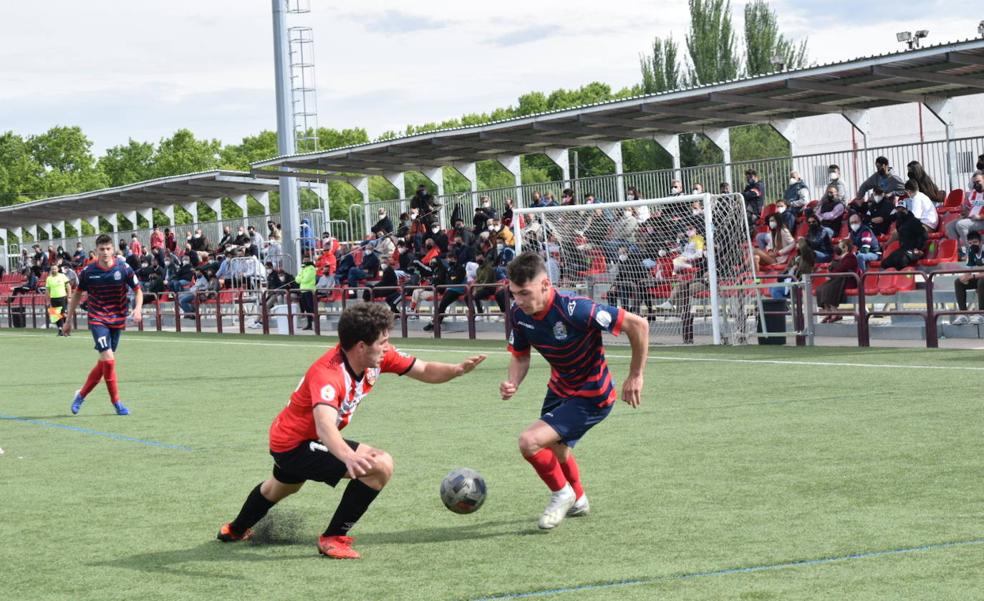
(921, 207)
(439, 237)
(831, 211)
(183, 275)
(466, 235)
(876, 211)
(797, 194)
(911, 236)
(971, 213)
(384, 224)
(926, 185)
(457, 280)
(833, 292)
(884, 178)
(697, 189)
(676, 188)
(277, 280)
(865, 242)
(780, 243)
(754, 195)
(786, 214)
(501, 233)
(227, 238)
(819, 240)
(834, 179)
(970, 281)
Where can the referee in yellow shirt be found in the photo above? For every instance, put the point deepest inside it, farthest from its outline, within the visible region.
(59, 290)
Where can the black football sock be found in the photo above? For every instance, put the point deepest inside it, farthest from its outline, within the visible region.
(354, 503)
(255, 507)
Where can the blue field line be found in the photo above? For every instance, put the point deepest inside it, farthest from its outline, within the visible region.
(797, 563)
(110, 435)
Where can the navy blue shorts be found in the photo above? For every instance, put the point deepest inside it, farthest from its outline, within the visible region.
(572, 417)
(106, 338)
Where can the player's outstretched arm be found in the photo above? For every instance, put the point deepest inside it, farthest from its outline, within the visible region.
(436, 373)
(325, 417)
(637, 330)
(73, 304)
(519, 365)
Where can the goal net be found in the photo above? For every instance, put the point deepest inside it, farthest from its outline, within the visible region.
(684, 263)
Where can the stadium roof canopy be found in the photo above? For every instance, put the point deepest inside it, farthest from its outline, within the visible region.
(923, 75)
(155, 193)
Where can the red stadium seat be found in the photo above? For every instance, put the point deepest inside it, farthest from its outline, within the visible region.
(888, 250)
(953, 200)
(941, 251)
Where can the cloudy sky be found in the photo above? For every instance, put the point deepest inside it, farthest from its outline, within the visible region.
(143, 69)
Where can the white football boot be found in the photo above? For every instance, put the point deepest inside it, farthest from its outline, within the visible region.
(580, 507)
(560, 502)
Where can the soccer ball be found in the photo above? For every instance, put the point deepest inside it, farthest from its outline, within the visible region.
(463, 490)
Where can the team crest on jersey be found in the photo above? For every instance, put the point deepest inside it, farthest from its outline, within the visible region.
(328, 393)
(604, 318)
(117, 276)
(570, 307)
(559, 331)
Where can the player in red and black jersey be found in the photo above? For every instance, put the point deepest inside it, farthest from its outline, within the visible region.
(106, 282)
(566, 330)
(305, 441)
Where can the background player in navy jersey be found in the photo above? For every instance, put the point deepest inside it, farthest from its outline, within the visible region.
(566, 330)
(106, 282)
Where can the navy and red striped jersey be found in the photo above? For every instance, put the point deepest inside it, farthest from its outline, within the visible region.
(567, 333)
(107, 292)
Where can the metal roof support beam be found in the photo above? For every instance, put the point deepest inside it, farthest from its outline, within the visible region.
(613, 150)
(192, 208)
(131, 216)
(964, 59)
(789, 129)
(148, 214)
(168, 211)
(264, 199)
(216, 205)
(513, 165)
(469, 171)
(722, 139)
(942, 109)
(33, 230)
(671, 144)
(854, 91)
(361, 184)
(240, 201)
(562, 158)
(916, 75)
(46, 228)
(777, 103)
(77, 224)
(702, 114)
(93, 222)
(19, 232)
(635, 124)
(580, 132)
(530, 144)
(399, 181)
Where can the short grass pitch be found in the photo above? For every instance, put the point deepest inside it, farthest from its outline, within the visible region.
(749, 473)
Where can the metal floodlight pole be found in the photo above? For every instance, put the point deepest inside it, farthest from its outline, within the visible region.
(289, 204)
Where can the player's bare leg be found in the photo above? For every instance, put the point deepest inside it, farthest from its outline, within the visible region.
(359, 494)
(536, 444)
(565, 456)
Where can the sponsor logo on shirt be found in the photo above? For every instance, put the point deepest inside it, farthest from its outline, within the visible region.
(604, 318)
(559, 331)
(327, 393)
(528, 326)
(570, 307)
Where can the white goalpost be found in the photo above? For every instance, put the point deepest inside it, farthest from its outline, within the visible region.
(685, 262)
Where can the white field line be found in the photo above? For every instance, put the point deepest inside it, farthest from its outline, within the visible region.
(609, 355)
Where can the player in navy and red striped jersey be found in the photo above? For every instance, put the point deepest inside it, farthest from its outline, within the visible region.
(305, 439)
(106, 282)
(566, 330)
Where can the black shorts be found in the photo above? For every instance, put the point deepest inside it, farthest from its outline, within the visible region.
(310, 460)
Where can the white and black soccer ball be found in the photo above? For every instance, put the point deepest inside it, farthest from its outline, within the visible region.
(463, 490)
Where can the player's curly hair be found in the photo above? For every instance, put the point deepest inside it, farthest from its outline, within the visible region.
(363, 322)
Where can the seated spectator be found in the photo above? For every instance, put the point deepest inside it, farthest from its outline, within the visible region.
(803, 263)
(884, 178)
(925, 183)
(384, 244)
(438, 235)
(629, 285)
(437, 271)
(227, 238)
(79, 256)
(831, 211)
(278, 282)
(797, 194)
(30, 285)
(485, 278)
(819, 240)
(754, 195)
(242, 238)
(921, 207)
(833, 292)
(971, 214)
(386, 288)
(692, 250)
(834, 179)
(502, 233)
(153, 287)
(911, 236)
(457, 280)
(483, 213)
(970, 281)
(466, 235)
(781, 244)
(786, 214)
(507, 210)
(865, 242)
(368, 269)
(876, 211)
(205, 287)
(383, 224)
(183, 276)
(198, 241)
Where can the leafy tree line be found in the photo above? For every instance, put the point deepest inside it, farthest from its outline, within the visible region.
(60, 160)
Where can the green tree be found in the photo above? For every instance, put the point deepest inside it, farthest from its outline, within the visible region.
(764, 43)
(661, 69)
(66, 165)
(182, 153)
(711, 43)
(238, 157)
(19, 180)
(127, 164)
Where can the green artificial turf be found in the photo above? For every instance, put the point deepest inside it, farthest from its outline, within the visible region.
(757, 457)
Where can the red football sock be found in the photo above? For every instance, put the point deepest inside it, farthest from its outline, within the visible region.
(94, 376)
(109, 373)
(573, 475)
(548, 468)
